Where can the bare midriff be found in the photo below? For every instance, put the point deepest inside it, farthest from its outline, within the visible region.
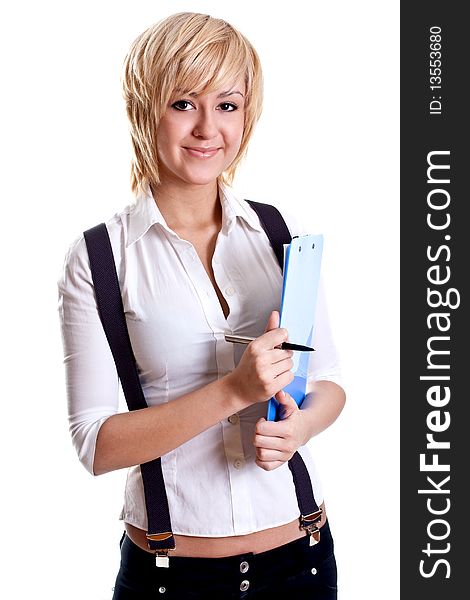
(217, 547)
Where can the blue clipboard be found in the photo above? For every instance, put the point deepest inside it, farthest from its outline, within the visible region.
(302, 263)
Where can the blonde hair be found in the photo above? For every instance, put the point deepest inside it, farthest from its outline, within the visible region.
(192, 52)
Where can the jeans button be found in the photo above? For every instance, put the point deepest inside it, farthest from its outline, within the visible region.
(244, 585)
(244, 566)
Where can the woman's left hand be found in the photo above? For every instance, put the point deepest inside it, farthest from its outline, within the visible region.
(277, 441)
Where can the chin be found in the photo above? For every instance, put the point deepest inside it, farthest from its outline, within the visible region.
(202, 178)
(205, 181)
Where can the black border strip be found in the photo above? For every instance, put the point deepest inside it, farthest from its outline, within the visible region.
(433, 259)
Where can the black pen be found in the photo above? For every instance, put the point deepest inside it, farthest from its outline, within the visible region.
(241, 339)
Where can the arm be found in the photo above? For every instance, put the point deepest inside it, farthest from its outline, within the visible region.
(132, 438)
(322, 406)
(106, 440)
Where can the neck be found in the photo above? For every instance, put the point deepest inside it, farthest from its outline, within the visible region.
(188, 206)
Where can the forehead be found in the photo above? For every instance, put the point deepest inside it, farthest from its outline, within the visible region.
(224, 89)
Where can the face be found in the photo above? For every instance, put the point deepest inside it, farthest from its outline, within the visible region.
(198, 137)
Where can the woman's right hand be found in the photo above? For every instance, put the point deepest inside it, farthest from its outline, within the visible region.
(263, 369)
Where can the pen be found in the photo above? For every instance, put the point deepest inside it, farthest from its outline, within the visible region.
(241, 339)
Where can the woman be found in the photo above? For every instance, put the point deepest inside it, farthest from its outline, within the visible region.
(194, 262)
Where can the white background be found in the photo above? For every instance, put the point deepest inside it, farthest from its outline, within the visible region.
(326, 148)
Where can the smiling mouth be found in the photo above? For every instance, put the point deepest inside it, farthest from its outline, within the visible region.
(198, 152)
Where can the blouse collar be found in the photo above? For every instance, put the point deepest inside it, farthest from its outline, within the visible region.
(145, 212)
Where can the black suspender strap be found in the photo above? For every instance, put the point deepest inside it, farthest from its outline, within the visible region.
(278, 234)
(274, 226)
(111, 311)
(109, 301)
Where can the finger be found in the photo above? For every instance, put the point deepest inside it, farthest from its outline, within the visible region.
(282, 366)
(265, 455)
(272, 338)
(268, 442)
(286, 400)
(284, 379)
(274, 429)
(269, 466)
(276, 355)
(273, 321)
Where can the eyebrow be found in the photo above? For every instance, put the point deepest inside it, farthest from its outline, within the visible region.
(221, 95)
(230, 93)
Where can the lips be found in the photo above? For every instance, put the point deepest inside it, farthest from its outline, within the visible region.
(202, 152)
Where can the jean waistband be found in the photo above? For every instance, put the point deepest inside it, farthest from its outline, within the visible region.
(292, 551)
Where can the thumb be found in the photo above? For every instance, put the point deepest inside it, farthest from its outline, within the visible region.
(273, 321)
(287, 404)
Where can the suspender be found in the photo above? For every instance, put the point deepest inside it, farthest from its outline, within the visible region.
(111, 311)
(110, 308)
(278, 235)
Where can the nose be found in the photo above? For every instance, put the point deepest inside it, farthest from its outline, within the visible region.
(205, 126)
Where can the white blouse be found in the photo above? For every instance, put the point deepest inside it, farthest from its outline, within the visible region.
(176, 325)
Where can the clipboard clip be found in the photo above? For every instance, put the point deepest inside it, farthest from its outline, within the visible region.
(309, 524)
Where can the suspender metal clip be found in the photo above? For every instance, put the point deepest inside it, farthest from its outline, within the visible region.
(161, 554)
(309, 524)
(162, 559)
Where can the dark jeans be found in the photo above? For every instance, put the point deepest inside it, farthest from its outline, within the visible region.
(295, 571)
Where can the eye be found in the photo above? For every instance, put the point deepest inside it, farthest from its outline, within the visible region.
(182, 105)
(227, 107)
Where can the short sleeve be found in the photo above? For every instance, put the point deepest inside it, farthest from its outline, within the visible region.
(92, 385)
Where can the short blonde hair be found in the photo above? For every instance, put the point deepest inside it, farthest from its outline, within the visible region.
(192, 52)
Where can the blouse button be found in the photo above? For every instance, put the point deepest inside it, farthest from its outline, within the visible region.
(244, 566)
(162, 590)
(238, 464)
(314, 571)
(230, 291)
(233, 419)
(244, 585)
